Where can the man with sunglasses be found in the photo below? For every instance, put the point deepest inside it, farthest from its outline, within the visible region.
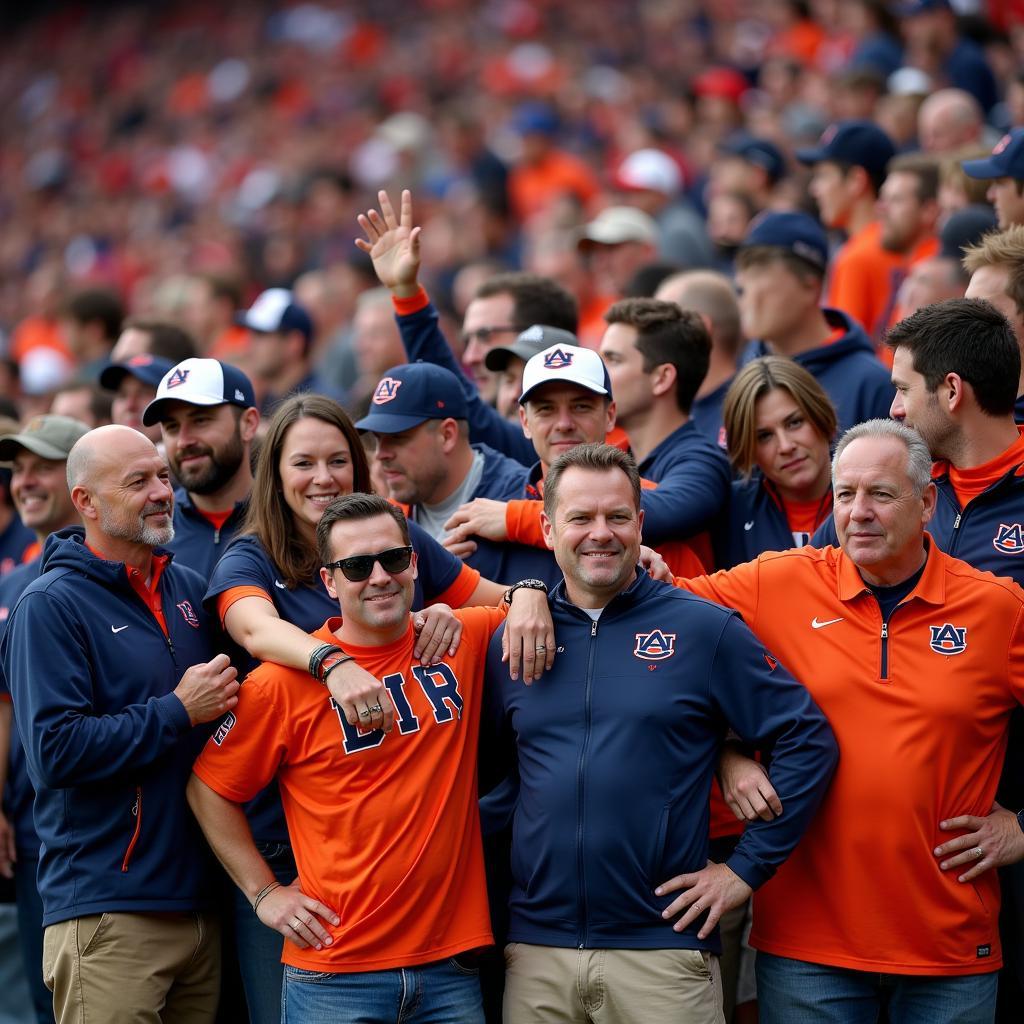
(391, 887)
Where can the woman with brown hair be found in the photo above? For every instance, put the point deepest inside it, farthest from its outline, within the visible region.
(779, 429)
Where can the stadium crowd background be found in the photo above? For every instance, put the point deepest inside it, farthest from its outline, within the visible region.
(182, 157)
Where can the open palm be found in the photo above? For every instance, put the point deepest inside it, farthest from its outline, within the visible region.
(392, 243)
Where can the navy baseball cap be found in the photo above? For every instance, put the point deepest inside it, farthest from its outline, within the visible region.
(533, 340)
(965, 228)
(149, 369)
(276, 310)
(411, 394)
(800, 233)
(200, 382)
(1006, 160)
(759, 152)
(858, 143)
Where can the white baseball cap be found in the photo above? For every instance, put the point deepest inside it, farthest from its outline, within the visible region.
(618, 224)
(650, 170)
(200, 382)
(566, 364)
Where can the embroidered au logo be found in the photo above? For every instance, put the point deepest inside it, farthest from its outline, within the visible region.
(655, 646)
(948, 639)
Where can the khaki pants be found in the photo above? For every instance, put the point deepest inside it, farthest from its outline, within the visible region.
(133, 968)
(611, 986)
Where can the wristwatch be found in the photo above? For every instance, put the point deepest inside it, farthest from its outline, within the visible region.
(528, 585)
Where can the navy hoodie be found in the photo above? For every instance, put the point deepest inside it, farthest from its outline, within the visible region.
(616, 747)
(109, 747)
(847, 369)
(197, 542)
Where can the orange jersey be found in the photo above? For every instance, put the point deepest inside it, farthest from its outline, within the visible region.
(534, 187)
(865, 276)
(385, 828)
(920, 714)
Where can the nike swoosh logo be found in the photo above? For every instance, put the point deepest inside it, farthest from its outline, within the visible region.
(117, 629)
(278, 583)
(815, 624)
(749, 526)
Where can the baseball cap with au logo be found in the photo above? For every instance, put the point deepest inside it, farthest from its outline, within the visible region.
(566, 365)
(200, 382)
(1006, 161)
(408, 395)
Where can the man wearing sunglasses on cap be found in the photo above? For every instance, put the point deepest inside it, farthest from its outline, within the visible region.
(385, 827)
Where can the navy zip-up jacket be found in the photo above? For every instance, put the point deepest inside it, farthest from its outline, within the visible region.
(616, 747)
(422, 338)
(756, 522)
(109, 746)
(197, 542)
(847, 369)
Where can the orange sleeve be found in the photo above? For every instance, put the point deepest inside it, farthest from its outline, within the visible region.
(403, 307)
(228, 597)
(734, 588)
(461, 589)
(681, 558)
(244, 753)
(852, 288)
(5, 697)
(522, 522)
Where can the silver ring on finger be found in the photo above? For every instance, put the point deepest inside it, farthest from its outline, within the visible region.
(696, 907)
(365, 713)
(295, 924)
(540, 647)
(377, 709)
(978, 852)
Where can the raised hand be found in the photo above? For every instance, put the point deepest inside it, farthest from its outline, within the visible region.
(393, 244)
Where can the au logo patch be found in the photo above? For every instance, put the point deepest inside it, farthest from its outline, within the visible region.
(1009, 539)
(177, 378)
(224, 728)
(655, 646)
(387, 391)
(188, 613)
(949, 639)
(558, 359)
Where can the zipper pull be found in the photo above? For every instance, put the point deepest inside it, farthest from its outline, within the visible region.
(956, 522)
(885, 630)
(593, 628)
(216, 535)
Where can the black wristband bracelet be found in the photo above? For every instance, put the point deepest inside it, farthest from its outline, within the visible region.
(344, 660)
(317, 658)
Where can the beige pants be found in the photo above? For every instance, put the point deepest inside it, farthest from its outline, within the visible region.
(133, 968)
(545, 984)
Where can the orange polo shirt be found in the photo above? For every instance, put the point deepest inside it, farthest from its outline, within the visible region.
(385, 828)
(918, 744)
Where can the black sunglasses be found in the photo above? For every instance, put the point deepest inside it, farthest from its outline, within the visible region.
(358, 567)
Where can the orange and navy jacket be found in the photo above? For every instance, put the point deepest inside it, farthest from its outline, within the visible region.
(920, 706)
(92, 669)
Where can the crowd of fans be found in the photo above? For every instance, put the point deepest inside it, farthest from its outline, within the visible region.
(188, 181)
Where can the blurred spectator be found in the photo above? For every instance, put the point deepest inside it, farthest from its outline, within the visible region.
(376, 343)
(849, 169)
(91, 322)
(875, 35)
(155, 338)
(619, 241)
(83, 400)
(935, 45)
(908, 207)
(652, 181)
(544, 172)
(1004, 170)
(748, 165)
(949, 119)
(133, 382)
(214, 299)
(956, 188)
(944, 276)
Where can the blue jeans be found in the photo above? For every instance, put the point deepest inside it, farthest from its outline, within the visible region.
(259, 947)
(797, 992)
(443, 992)
(30, 931)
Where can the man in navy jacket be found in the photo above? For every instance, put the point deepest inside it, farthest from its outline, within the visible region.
(616, 747)
(109, 660)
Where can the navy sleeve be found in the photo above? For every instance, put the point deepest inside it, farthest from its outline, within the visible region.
(423, 340)
(244, 564)
(46, 658)
(687, 497)
(438, 567)
(768, 708)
